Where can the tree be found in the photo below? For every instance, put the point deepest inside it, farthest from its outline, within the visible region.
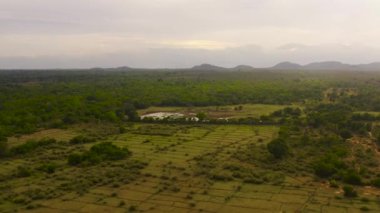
(278, 148)
(130, 112)
(201, 116)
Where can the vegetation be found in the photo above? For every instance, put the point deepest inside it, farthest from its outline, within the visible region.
(278, 148)
(3, 146)
(349, 191)
(98, 153)
(30, 146)
(267, 141)
(80, 139)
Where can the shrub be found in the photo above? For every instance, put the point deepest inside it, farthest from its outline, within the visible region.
(30, 146)
(98, 153)
(48, 168)
(74, 159)
(221, 176)
(324, 170)
(334, 184)
(364, 209)
(278, 148)
(80, 139)
(23, 172)
(3, 146)
(376, 182)
(122, 130)
(328, 166)
(345, 134)
(201, 116)
(132, 208)
(349, 191)
(352, 177)
(109, 151)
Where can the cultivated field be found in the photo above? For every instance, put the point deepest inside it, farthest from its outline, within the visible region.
(183, 170)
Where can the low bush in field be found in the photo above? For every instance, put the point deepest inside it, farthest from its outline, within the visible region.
(98, 153)
(221, 176)
(332, 166)
(48, 168)
(328, 166)
(278, 148)
(80, 139)
(75, 159)
(23, 171)
(376, 182)
(3, 146)
(349, 191)
(30, 146)
(352, 177)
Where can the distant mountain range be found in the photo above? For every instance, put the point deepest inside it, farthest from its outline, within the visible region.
(324, 65)
(207, 67)
(286, 66)
(327, 65)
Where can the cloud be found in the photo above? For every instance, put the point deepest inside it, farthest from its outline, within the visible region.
(216, 30)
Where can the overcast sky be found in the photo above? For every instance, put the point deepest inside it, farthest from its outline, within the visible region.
(182, 33)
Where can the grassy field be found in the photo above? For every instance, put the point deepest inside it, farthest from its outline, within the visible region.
(177, 176)
(230, 111)
(58, 134)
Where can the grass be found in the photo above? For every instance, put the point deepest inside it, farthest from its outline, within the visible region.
(58, 134)
(170, 180)
(369, 112)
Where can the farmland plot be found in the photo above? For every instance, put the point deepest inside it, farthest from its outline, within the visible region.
(173, 168)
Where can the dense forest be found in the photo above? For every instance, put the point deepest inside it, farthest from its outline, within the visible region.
(30, 100)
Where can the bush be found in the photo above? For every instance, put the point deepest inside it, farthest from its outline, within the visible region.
(3, 146)
(30, 146)
(109, 151)
(74, 159)
(48, 168)
(98, 153)
(80, 139)
(376, 182)
(364, 209)
(352, 177)
(23, 171)
(122, 130)
(345, 134)
(201, 116)
(349, 191)
(324, 170)
(334, 184)
(328, 166)
(278, 148)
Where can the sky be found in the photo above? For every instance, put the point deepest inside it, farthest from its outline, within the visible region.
(183, 33)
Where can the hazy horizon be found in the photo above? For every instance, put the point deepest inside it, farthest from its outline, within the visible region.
(183, 33)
